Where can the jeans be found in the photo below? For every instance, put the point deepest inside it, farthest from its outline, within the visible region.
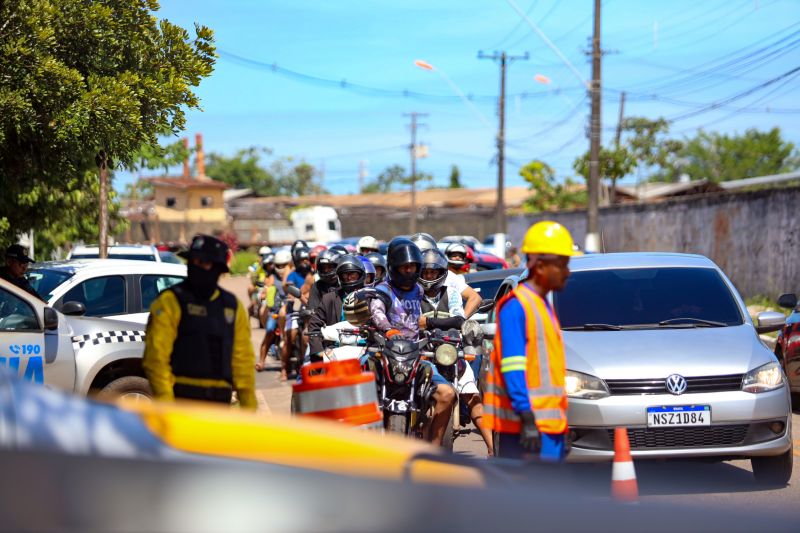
(553, 450)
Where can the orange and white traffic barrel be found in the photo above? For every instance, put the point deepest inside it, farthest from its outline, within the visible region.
(340, 391)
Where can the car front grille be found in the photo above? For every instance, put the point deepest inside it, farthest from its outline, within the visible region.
(684, 437)
(731, 382)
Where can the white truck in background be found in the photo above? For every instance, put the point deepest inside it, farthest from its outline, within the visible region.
(317, 223)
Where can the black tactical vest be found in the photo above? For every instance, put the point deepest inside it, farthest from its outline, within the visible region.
(204, 346)
(442, 307)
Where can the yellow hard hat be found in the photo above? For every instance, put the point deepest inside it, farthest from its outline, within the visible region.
(548, 237)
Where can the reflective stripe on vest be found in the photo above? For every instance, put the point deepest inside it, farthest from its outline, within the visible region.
(544, 365)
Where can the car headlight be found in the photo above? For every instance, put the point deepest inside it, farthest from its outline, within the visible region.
(446, 354)
(764, 378)
(584, 386)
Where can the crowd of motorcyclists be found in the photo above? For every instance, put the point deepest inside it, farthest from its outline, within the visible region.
(402, 305)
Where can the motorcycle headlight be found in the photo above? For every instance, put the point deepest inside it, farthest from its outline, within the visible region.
(584, 386)
(446, 354)
(764, 378)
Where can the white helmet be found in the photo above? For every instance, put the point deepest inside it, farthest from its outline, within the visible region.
(367, 242)
(264, 250)
(283, 258)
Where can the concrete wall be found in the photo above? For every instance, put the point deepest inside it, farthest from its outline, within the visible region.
(753, 236)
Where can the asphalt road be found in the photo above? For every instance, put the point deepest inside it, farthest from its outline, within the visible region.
(728, 484)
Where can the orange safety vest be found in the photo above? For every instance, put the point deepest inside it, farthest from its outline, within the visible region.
(545, 368)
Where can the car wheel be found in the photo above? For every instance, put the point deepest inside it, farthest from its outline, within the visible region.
(775, 470)
(129, 387)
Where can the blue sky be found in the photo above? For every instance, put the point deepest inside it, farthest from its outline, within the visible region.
(672, 57)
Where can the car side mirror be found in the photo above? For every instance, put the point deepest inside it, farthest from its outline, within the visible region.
(73, 309)
(789, 301)
(767, 321)
(50, 318)
(486, 306)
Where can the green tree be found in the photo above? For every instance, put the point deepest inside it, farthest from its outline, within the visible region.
(296, 179)
(547, 192)
(77, 77)
(392, 178)
(614, 164)
(719, 157)
(455, 178)
(243, 170)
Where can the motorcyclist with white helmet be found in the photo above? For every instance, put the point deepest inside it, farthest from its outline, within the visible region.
(366, 245)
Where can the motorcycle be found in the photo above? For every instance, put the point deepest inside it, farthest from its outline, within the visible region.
(349, 342)
(297, 350)
(404, 386)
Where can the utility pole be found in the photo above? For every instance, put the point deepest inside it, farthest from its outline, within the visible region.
(412, 148)
(103, 161)
(362, 175)
(613, 196)
(592, 229)
(504, 60)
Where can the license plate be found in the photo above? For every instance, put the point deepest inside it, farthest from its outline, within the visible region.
(679, 416)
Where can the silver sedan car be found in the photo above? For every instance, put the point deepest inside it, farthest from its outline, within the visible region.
(662, 344)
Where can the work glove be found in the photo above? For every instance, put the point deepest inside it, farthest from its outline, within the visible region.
(529, 437)
(392, 332)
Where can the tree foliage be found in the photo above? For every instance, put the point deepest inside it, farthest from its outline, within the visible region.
(393, 178)
(455, 178)
(77, 77)
(547, 192)
(245, 170)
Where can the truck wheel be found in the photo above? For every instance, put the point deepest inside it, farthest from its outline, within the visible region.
(130, 387)
(773, 471)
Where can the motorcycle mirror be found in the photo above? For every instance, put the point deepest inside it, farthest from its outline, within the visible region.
(486, 305)
(294, 291)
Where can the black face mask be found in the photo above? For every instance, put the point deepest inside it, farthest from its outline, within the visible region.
(303, 269)
(202, 282)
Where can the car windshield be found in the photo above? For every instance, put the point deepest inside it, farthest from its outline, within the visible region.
(45, 281)
(169, 257)
(135, 257)
(646, 297)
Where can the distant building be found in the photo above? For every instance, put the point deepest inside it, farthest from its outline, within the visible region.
(181, 206)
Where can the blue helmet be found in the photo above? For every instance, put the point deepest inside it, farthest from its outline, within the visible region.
(369, 268)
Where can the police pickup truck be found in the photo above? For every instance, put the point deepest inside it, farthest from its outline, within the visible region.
(82, 355)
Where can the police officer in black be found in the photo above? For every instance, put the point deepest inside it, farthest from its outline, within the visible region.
(198, 343)
(17, 262)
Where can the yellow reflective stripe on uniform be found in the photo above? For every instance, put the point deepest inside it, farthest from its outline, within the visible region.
(203, 382)
(512, 363)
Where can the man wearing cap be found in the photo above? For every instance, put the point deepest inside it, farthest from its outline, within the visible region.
(525, 403)
(197, 344)
(17, 262)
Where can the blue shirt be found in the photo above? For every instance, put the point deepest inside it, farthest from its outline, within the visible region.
(296, 279)
(511, 321)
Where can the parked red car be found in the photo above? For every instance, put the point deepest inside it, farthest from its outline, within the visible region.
(787, 347)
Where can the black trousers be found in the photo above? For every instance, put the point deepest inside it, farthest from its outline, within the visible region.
(206, 394)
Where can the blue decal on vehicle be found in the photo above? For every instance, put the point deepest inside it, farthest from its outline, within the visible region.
(34, 370)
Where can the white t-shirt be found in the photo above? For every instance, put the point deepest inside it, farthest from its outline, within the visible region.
(455, 281)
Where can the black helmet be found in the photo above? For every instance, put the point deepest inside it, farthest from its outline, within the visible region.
(351, 263)
(299, 244)
(207, 248)
(327, 261)
(378, 261)
(300, 253)
(424, 241)
(339, 249)
(402, 252)
(433, 260)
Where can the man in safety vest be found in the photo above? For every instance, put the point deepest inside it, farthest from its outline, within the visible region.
(525, 403)
(197, 344)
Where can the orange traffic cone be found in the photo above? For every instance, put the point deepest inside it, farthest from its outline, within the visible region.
(623, 475)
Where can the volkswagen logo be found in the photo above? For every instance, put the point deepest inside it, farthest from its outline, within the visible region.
(676, 384)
